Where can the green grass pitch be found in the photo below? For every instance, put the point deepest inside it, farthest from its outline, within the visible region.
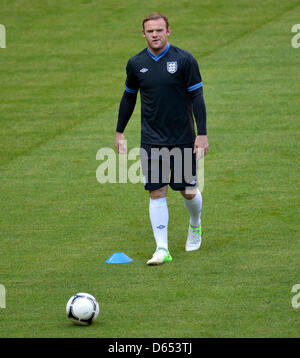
(62, 76)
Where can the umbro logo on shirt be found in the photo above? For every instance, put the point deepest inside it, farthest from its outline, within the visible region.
(143, 70)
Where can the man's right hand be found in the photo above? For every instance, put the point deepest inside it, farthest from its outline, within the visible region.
(120, 143)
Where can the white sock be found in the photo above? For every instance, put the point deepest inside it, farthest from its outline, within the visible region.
(159, 217)
(194, 207)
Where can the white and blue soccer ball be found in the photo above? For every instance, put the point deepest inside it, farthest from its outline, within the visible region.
(82, 309)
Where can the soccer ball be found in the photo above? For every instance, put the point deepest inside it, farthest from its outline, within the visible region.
(82, 309)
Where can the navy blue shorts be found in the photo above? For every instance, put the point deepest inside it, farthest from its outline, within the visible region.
(175, 166)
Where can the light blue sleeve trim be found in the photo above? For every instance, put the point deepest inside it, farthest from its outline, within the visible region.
(130, 90)
(196, 86)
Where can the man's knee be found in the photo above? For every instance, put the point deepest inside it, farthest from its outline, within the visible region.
(189, 194)
(159, 193)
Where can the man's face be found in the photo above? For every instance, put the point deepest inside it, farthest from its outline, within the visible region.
(156, 34)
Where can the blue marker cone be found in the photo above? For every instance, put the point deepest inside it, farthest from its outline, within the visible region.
(118, 258)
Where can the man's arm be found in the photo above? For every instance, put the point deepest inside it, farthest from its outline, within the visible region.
(126, 109)
(201, 142)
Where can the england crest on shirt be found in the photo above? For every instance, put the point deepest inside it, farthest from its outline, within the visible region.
(172, 67)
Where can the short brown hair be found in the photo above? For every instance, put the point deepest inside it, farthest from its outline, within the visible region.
(156, 16)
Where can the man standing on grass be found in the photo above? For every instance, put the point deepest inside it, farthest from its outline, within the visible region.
(171, 92)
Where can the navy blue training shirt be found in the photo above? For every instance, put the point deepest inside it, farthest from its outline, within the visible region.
(165, 82)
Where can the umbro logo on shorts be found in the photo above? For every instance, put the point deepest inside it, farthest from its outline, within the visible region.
(143, 70)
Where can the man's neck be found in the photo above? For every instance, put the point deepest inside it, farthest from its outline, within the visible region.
(157, 52)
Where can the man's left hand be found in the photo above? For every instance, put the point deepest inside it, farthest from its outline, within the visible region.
(201, 146)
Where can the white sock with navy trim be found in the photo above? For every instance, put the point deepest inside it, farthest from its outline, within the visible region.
(159, 217)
